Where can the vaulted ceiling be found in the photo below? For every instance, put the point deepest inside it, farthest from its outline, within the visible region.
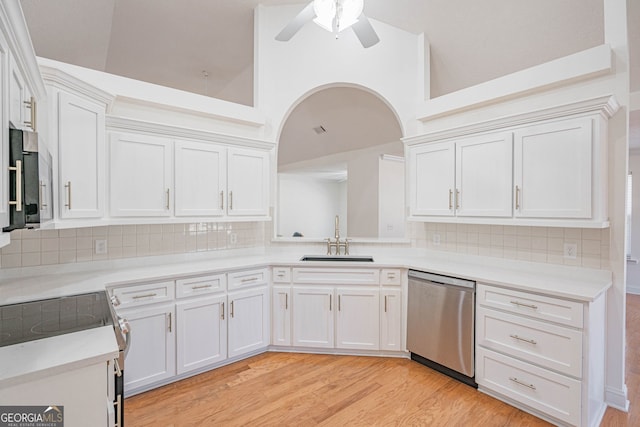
(173, 42)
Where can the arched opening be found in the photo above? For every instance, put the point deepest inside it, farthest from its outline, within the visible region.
(340, 153)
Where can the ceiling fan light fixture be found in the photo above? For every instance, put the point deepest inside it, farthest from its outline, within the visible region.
(337, 15)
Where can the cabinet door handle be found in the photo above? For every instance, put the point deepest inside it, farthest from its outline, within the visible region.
(231, 313)
(222, 200)
(385, 303)
(457, 199)
(516, 337)
(339, 305)
(68, 187)
(144, 296)
(230, 200)
(43, 189)
(517, 381)
(329, 302)
(31, 105)
(222, 312)
(168, 197)
(517, 198)
(520, 304)
(170, 322)
(450, 199)
(18, 201)
(286, 301)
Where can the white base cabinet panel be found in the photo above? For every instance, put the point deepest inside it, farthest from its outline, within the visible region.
(313, 318)
(281, 315)
(151, 356)
(358, 319)
(201, 337)
(248, 320)
(391, 319)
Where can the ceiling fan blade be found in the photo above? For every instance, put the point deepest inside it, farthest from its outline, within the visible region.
(365, 32)
(294, 26)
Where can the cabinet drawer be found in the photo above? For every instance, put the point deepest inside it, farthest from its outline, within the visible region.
(281, 274)
(544, 344)
(200, 285)
(148, 293)
(553, 394)
(538, 306)
(337, 276)
(390, 276)
(247, 278)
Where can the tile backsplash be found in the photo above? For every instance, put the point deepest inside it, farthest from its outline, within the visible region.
(46, 247)
(538, 244)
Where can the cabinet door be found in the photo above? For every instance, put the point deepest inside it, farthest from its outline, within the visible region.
(201, 337)
(140, 175)
(431, 179)
(4, 136)
(358, 319)
(552, 169)
(81, 136)
(248, 182)
(151, 355)
(248, 320)
(17, 95)
(313, 317)
(484, 175)
(391, 320)
(200, 182)
(281, 315)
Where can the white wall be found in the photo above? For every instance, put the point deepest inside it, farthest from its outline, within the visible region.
(391, 210)
(309, 205)
(286, 72)
(362, 207)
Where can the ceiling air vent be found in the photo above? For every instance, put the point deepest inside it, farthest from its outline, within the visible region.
(319, 130)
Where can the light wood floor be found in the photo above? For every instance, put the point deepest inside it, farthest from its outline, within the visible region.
(307, 390)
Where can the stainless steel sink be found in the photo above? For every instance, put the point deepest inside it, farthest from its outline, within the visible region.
(345, 258)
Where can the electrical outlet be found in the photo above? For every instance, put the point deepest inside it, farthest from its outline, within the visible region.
(101, 247)
(436, 239)
(570, 250)
(233, 238)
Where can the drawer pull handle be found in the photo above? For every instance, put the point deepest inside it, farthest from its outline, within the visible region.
(201, 287)
(391, 275)
(280, 275)
(515, 337)
(144, 296)
(520, 304)
(251, 279)
(517, 381)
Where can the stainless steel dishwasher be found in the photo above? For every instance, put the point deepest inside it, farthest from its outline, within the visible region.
(441, 324)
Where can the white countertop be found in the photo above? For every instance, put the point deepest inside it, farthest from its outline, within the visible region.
(31, 360)
(56, 354)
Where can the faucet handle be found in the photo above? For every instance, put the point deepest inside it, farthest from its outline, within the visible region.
(346, 246)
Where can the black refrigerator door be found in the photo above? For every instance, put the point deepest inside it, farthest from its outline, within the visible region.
(16, 181)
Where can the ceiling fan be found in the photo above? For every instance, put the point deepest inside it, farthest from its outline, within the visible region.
(333, 16)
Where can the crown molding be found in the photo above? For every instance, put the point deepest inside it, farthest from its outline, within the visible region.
(61, 80)
(117, 123)
(607, 105)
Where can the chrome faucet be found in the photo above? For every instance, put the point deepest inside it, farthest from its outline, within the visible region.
(337, 244)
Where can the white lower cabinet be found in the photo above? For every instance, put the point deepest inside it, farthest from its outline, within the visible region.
(541, 353)
(152, 352)
(313, 316)
(281, 315)
(248, 320)
(358, 319)
(201, 338)
(391, 319)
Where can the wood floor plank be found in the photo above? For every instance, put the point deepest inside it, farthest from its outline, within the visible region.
(294, 389)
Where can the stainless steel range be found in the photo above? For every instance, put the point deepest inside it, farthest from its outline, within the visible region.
(34, 320)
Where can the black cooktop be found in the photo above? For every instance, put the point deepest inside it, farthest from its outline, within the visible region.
(34, 320)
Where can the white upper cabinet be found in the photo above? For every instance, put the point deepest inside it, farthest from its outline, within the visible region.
(140, 175)
(432, 179)
(483, 175)
(201, 176)
(81, 157)
(553, 170)
(248, 182)
(17, 95)
(470, 177)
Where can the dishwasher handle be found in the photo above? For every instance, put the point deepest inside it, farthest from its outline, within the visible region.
(445, 280)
